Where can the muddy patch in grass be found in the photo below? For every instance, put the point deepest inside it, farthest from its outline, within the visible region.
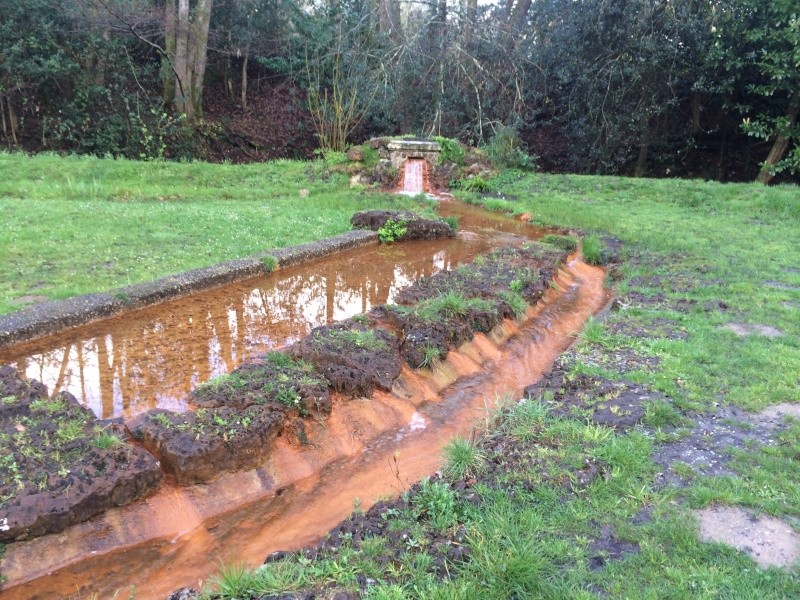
(775, 415)
(622, 360)
(654, 328)
(635, 299)
(780, 285)
(526, 462)
(617, 404)
(706, 448)
(673, 282)
(607, 547)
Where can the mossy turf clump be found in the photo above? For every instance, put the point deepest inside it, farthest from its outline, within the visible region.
(275, 379)
(353, 357)
(565, 242)
(394, 226)
(238, 417)
(198, 446)
(447, 309)
(526, 271)
(58, 465)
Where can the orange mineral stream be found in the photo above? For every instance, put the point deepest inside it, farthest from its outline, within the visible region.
(367, 449)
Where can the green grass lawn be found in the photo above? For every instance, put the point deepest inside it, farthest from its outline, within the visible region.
(707, 254)
(698, 256)
(739, 243)
(73, 225)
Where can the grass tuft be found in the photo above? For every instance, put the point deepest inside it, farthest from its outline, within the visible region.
(564, 242)
(463, 459)
(592, 250)
(105, 440)
(430, 354)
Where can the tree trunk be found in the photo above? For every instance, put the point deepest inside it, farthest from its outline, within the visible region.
(721, 159)
(520, 14)
(3, 120)
(441, 29)
(12, 119)
(198, 54)
(644, 149)
(781, 144)
(182, 76)
(696, 105)
(167, 74)
(507, 10)
(389, 19)
(469, 11)
(244, 79)
(396, 21)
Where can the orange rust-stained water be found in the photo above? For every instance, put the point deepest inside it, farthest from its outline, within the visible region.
(414, 178)
(153, 357)
(367, 449)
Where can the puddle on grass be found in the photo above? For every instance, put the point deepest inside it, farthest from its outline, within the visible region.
(153, 357)
(175, 537)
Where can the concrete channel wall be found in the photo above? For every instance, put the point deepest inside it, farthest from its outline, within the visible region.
(55, 316)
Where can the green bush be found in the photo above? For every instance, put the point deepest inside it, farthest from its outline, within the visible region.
(476, 184)
(516, 302)
(430, 354)
(392, 231)
(463, 459)
(452, 222)
(593, 250)
(436, 502)
(270, 263)
(506, 151)
(452, 150)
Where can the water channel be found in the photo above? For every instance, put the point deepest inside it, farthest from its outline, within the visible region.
(366, 449)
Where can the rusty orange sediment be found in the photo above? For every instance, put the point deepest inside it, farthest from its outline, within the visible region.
(367, 449)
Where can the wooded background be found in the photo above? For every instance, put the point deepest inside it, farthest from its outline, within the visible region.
(667, 88)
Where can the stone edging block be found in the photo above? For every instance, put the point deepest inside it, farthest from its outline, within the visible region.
(58, 315)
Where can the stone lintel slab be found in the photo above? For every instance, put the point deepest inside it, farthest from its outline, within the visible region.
(402, 150)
